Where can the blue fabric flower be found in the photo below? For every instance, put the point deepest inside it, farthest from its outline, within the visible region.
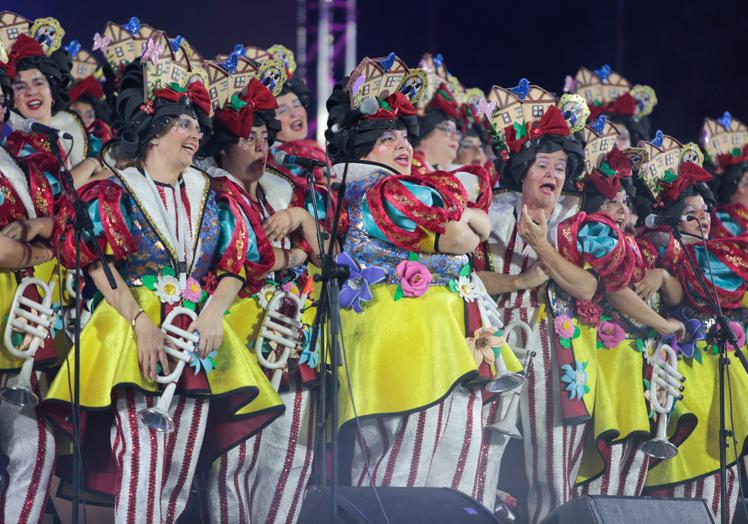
(576, 380)
(309, 357)
(356, 288)
(207, 364)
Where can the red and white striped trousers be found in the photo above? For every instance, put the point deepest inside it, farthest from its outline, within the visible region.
(155, 470)
(437, 447)
(707, 488)
(626, 468)
(263, 479)
(27, 440)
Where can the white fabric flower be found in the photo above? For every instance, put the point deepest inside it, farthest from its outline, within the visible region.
(167, 289)
(466, 289)
(265, 294)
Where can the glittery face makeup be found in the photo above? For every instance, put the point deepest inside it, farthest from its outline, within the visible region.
(181, 141)
(393, 150)
(701, 221)
(618, 208)
(33, 96)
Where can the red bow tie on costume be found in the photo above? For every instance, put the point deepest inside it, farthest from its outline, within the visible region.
(88, 86)
(552, 123)
(445, 102)
(195, 93)
(624, 105)
(689, 174)
(395, 105)
(238, 115)
(23, 47)
(607, 177)
(727, 160)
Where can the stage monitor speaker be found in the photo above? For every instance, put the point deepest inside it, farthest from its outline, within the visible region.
(402, 506)
(625, 510)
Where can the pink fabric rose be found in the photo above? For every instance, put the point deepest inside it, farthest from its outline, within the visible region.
(610, 333)
(588, 312)
(415, 278)
(739, 333)
(564, 326)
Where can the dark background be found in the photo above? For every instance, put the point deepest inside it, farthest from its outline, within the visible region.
(694, 54)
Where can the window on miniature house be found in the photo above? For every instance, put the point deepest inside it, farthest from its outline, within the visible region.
(176, 74)
(391, 81)
(505, 118)
(213, 93)
(537, 110)
(603, 144)
(118, 51)
(239, 81)
(12, 33)
(364, 90)
(613, 93)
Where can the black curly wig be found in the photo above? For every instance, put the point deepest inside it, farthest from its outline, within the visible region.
(56, 69)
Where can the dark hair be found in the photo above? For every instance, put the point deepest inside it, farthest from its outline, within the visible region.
(726, 185)
(644, 204)
(222, 138)
(298, 87)
(56, 69)
(100, 107)
(592, 199)
(354, 140)
(428, 122)
(519, 163)
(7, 89)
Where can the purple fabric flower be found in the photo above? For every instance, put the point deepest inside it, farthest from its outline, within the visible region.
(687, 346)
(610, 333)
(356, 288)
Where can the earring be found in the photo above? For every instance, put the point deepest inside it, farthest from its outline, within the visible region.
(154, 142)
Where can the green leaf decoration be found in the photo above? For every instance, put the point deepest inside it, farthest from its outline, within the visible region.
(444, 95)
(412, 257)
(647, 384)
(236, 103)
(670, 176)
(189, 305)
(465, 270)
(149, 281)
(158, 368)
(736, 151)
(565, 343)
(384, 105)
(213, 362)
(168, 270)
(176, 87)
(599, 345)
(17, 338)
(576, 332)
(203, 296)
(520, 130)
(697, 355)
(604, 318)
(499, 333)
(639, 345)
(398, 293)
(453, 286)
(585, 364)
(606, 170)
(597, 103)
(586, 388)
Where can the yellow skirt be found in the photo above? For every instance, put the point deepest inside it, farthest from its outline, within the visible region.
(698, 455)
(621, 410)
(109, 359)
(405, 355)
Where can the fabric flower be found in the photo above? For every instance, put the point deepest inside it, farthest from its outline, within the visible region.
(356, 288)
(482, 344)
(309, 357)
(415, 278)
(564, 326)
(193, 292)
(650, 348)
(739, 333)
(206, 364)
(265, 294)
(610, 333)
(466, 289)
(167, 289)
(588, 312)
(576, 380)
(687, 346)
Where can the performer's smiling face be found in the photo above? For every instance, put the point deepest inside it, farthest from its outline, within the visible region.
(293, 118)
(544, 180)
(696, 207)
(181, 141)
(393, 150)
(248, 156)
(32, 95)
(617, 209)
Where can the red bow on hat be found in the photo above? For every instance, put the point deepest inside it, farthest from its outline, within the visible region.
(23, 47)
(445, 102)
(624, 105)
(238, 114)
(689, 174)
(88, 86)
(727, 160)
(551, 123)
(395, 105)
(607, 177)
(195, 92)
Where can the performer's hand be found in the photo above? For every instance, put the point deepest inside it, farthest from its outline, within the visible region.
(673, 327)
(210, 326)
(533, 230)
(18, 230)
(650, 284)
(150, 340)
(283, 223)
(532, 277)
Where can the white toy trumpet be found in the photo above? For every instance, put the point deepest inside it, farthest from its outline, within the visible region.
(665, 377)
(33, 319)
(282, 329)
(157, 418)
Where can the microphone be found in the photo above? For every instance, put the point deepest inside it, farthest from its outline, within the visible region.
(281, 157)
(369, 106)
(652, 221)
(32, 126)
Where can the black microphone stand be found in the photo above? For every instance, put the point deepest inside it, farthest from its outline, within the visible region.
(82, 225)
(328, 309)
(726, 335)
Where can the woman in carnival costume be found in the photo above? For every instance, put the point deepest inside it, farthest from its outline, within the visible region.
(26, 439)
(406, 246)
(263, 479)
(88, 101)
(681, 191)
(613, 463)
(172, 241)
(725, 141)
(557, 399)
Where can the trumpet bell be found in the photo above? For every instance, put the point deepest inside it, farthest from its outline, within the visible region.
(156, 419)
(19, 395)
(659, 448)
(506, 382)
